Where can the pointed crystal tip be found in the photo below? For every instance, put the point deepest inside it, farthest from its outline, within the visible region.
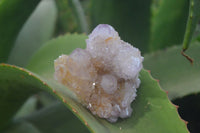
(105, 75)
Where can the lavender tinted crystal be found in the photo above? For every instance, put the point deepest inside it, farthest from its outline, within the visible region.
(104, 76)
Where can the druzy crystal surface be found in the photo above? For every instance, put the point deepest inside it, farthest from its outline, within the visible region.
(104, 76)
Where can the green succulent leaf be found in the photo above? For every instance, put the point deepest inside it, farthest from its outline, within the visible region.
(22, 127)
(196, 36)
(189, 109)
(16, 85)
(168, 23)
(71, 17)
(43, 60)
(27, 108)
(13, 14)
(151, 109)
(36, 31)
(193, 18)
(131, 18)
(55, 118)
(175, 73)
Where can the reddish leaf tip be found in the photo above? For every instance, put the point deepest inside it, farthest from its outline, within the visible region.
(12, 66)
(74, 110)
(30, 74)
(86, 123)
(187, 57)
(64, 100)
(176, 106)
(22, 69)
(3, 64)
(44, 83)
(186, 122)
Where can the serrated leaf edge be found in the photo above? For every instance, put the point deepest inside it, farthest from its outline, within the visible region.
(74, 111)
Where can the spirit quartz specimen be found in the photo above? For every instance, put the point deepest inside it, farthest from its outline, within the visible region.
(104, 76)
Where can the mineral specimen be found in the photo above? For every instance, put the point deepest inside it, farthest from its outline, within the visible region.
(104, 76)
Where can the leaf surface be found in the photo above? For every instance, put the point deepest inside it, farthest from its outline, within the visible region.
(71, 17)
(36, 31)
(168, 23)
(175, 73)
(16, 85)
(151, 109)
(13, 14)
(22, 127)
(55, 118)
(193, 18)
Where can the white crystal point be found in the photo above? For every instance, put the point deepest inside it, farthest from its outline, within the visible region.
(129, 94)
(103, 32)
(79, 64)
(128, 62)
(109, 83)
(104, 76)
(102, 44)
(60, 68)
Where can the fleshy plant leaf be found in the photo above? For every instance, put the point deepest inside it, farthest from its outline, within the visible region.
(151, 109)
(71, 17)
(22, 127)
(193, 18)
(44, 120)
(16, 85)
(36, 31)
(176, 75)
(168, 23)
(13, 15)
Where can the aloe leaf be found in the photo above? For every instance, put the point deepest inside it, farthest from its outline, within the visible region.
(22, 127)
(81, 16)
(71, 17)
(13, 14)
(37, 30)
(34, 103)
(16, 85)
(188, 104)
(55, 118)
(197, 33)
(130, 17)
(27, 108)
(58, 46)
(168, 23)
(151, 109)
(176, 75)
(193, 18)
(45, 99)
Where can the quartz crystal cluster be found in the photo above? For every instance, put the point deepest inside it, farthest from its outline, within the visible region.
(104, 76)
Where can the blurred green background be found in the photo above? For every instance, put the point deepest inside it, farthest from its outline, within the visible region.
(150, 25)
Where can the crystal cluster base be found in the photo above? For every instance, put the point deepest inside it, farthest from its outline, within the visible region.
(104, 76)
